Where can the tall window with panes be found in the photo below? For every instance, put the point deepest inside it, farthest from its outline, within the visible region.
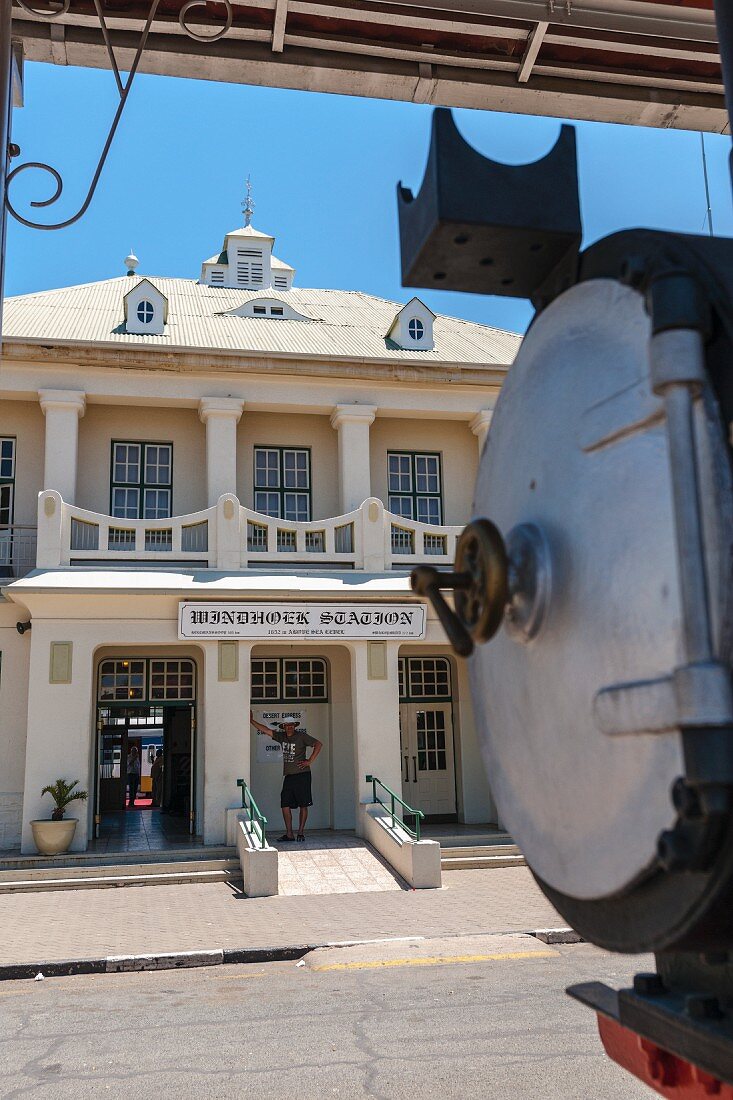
(142, 480)
(282, 482)
(7, 480)
(415, 486)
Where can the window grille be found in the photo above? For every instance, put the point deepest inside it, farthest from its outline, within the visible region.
(7, 480)
(282, 482)
(172, 680)
(141, 480)
(431, 741)
(424, 678)
(415, 486)
(289, 679)
(121, 680)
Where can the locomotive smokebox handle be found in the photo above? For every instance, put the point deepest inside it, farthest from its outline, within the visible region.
(493, 581)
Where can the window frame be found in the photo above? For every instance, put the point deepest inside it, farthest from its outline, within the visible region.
(418, 324)
(413, 493)
(10, 481)
(406, 681)
(141, 485)
(145, 305)
(145, 684)
(281, 491)
(281, 686)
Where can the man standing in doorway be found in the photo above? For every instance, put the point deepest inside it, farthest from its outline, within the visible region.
(296, 790)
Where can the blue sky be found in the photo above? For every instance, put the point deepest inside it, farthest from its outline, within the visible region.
(324, 170)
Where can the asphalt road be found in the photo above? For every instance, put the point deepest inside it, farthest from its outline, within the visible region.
(482, 1017)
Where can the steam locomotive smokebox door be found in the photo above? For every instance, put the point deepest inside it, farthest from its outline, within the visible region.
(589, 726)
(489, 228)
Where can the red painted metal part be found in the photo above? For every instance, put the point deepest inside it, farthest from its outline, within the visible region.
(669, 1075)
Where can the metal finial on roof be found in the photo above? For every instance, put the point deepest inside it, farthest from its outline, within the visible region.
(131, 263)
(248, 206)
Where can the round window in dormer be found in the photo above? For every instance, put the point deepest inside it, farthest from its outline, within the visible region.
(416, 329)
(145, 311)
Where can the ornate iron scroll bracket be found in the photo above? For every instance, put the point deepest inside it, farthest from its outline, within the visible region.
(123, 87)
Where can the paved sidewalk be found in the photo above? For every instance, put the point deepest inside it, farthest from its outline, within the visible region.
(77, 924)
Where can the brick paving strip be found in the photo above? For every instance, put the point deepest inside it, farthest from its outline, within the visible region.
(88, 928)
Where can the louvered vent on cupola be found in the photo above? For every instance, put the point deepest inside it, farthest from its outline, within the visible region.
(250, 267)
(280, 282)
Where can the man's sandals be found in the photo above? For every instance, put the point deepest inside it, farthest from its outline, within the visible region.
(285, 837)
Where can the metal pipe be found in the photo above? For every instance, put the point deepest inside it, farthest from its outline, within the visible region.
(6, 100)
(678, 404)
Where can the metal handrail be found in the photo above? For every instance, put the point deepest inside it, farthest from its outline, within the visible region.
(257, 819)
(417, 814)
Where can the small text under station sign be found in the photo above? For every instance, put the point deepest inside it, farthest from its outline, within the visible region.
(305, 620)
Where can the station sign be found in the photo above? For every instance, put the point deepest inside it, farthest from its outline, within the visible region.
(347, 621)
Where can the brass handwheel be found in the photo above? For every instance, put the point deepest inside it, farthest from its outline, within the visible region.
(481, 555)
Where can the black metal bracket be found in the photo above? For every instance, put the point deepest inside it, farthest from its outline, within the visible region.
(488, 228)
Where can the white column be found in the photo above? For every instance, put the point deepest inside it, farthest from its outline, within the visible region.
(376, 713)
(221, 416)
(62, 409)
(480, 427)
(352, 423)
(226, 733)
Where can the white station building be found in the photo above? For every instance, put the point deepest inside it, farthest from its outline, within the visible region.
(212, 492)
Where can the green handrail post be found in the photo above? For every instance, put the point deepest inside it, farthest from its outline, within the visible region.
(256, 818)
(394, 798)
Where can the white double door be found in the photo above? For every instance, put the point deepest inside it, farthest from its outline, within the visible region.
(428, 763)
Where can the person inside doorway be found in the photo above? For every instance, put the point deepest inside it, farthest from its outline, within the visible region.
(296, 792)
(156, 776)
(133, 774)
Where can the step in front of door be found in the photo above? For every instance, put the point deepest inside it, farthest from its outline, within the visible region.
(481, 857)
(128, 874)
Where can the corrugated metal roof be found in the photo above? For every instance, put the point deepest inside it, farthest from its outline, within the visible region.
(343, 324)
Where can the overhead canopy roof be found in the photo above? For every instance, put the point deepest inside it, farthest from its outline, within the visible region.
(648, 62)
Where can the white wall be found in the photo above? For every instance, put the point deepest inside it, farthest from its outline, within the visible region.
(15, 653)
(181, 427)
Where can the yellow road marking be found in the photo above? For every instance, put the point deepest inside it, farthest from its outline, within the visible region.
(436, 960)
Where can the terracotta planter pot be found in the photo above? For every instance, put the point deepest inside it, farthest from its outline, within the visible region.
(52, 838)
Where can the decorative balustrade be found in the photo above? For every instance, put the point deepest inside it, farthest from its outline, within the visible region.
(17, 552)
(230, 537)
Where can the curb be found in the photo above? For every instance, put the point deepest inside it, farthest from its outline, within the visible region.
(171, 960)
(180, 960)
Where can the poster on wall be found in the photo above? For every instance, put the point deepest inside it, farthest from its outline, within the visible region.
(269, 751)
(301, 620)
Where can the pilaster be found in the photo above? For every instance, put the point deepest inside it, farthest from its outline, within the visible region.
(352, 422)
(62, 409)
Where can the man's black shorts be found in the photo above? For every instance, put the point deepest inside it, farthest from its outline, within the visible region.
(296, 790)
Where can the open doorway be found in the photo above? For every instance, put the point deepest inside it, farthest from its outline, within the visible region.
(155, 805)
(145, 767)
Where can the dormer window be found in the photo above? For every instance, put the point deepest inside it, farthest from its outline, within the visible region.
(146, 309)
(276, 311)
(412, 327)
(267, 307)
(145, 312)
(260, 311)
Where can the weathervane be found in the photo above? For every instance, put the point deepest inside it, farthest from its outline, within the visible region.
(248, 205)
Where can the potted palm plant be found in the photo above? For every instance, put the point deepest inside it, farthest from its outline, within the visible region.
(53, 837)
